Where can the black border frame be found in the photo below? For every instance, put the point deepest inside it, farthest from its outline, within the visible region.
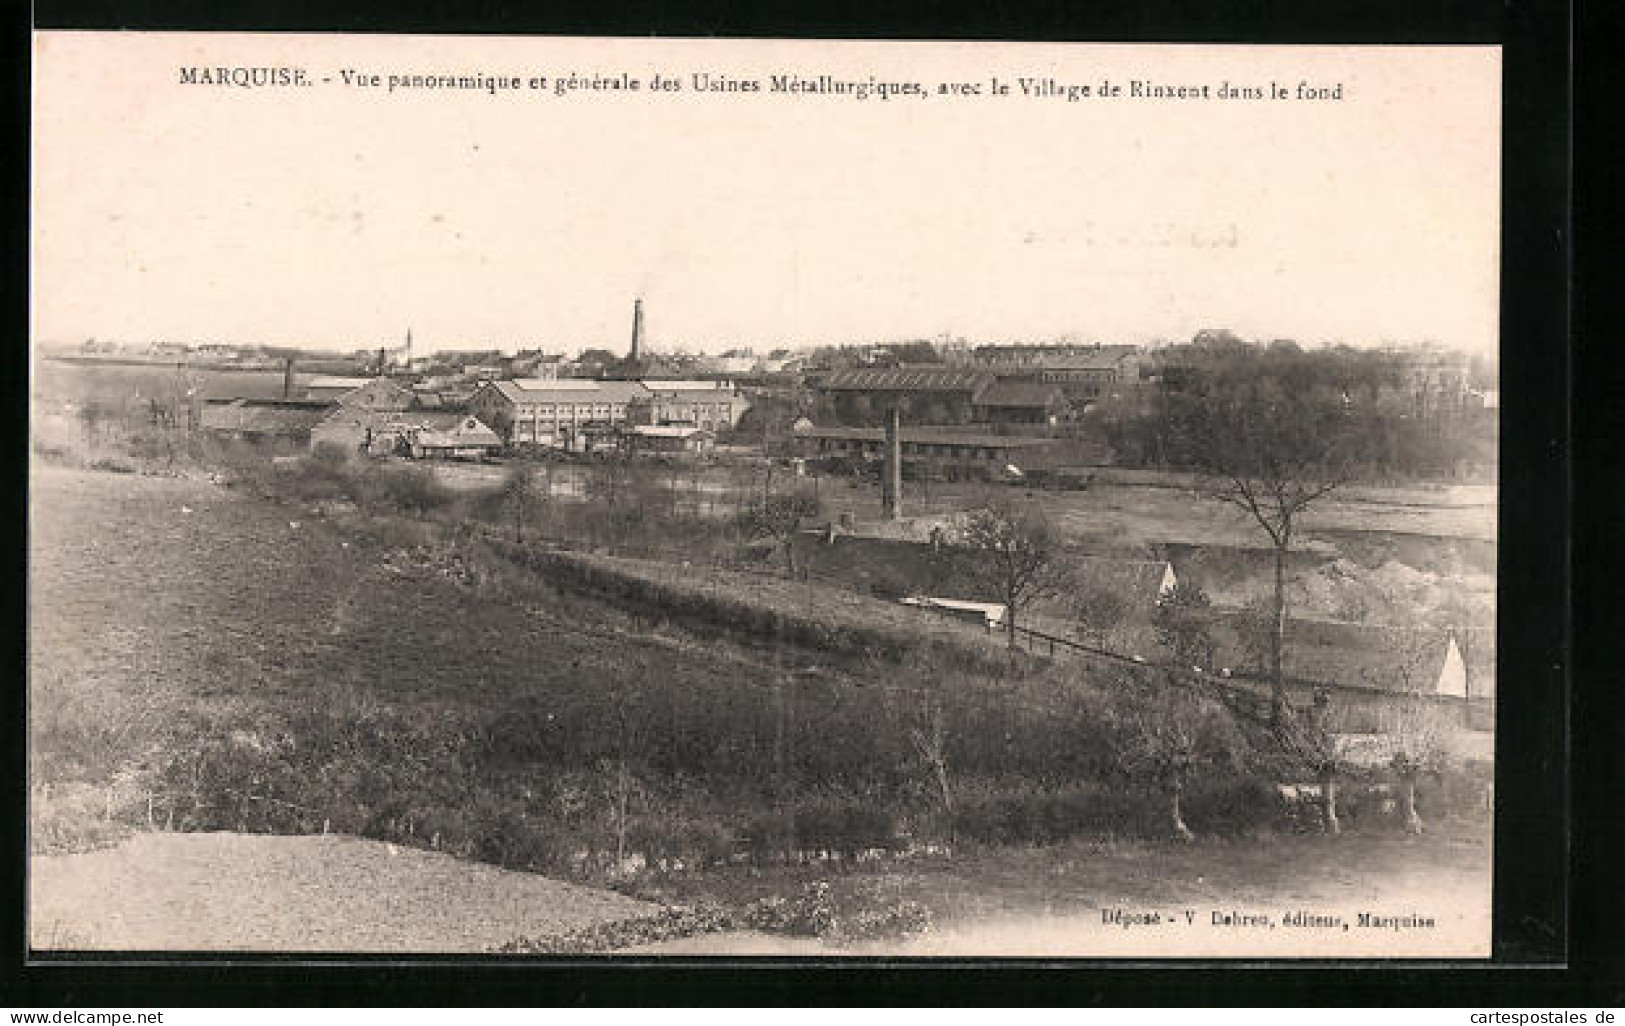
(1533, 930)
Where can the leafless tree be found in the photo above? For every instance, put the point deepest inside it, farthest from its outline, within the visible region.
(1100, 611)
(930, 740)
(1417, 733)
(1167, 736)
(1415, 728)
(1272, 453)
(520, 496)
(1019, 557)
(1311, 740)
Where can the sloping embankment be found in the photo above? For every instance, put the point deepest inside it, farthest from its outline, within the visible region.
(762, 606)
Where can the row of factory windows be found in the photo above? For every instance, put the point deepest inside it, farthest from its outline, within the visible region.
(939, 449)
(667, 410)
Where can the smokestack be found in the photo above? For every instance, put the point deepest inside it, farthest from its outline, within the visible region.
(380, 361)
(891, 482)
(637, 330)
(287, 378)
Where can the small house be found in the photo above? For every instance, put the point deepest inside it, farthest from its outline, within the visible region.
(450, 436)
(1021, 402)
(668, 438)
(281, 424)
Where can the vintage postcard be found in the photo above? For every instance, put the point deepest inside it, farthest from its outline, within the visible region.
(722, 497)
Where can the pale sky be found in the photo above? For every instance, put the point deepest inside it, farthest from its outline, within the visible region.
(338, 216)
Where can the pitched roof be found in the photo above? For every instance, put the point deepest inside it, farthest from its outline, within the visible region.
(378, 391)
(326, 381)
(1063, 358)
(907, 379)
(1379, 656)
(567, 390)
(1020, 394)
(936, 436)
(456, 431)
(620, 391)
(1139, 580)
(668, 431)
(554, 384)
(265, 417)
(685, 385)
(401, 420)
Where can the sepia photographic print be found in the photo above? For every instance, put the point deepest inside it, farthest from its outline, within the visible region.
(651, 498)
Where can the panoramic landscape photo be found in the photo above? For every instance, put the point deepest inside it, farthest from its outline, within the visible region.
(762, 499)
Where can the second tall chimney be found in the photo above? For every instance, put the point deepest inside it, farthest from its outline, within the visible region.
(891, 484)
(637, 330)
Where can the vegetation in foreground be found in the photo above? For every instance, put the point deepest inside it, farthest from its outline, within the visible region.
(336, 645)
(388, 676)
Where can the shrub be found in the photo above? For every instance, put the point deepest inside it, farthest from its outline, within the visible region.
(810, 914)
(331, 454)
(72, 820)
(768, 836)
(844, 826)
(1046, 817)
(410, 488)
(1456, 791)
(883, 918)
(1234, 806)
(667, 924)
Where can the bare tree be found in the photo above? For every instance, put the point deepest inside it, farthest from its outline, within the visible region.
(94, 415)
(1169, 734)
(1416, 729)
(1019, 553)
(1417, 733)
(1310, 739)
(1100, 611)
(519, 496)
(930, 740)
(1273, 453)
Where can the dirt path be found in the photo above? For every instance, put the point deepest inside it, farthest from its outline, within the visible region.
(1290, 896)
(239, 892)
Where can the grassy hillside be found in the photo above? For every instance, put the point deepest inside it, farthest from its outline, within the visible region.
(213, 661)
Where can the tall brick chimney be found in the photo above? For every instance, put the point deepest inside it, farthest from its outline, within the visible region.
(891, 482)
(637, 330)
(287, 378)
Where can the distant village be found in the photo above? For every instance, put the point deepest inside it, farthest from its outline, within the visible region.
(1038, 413)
